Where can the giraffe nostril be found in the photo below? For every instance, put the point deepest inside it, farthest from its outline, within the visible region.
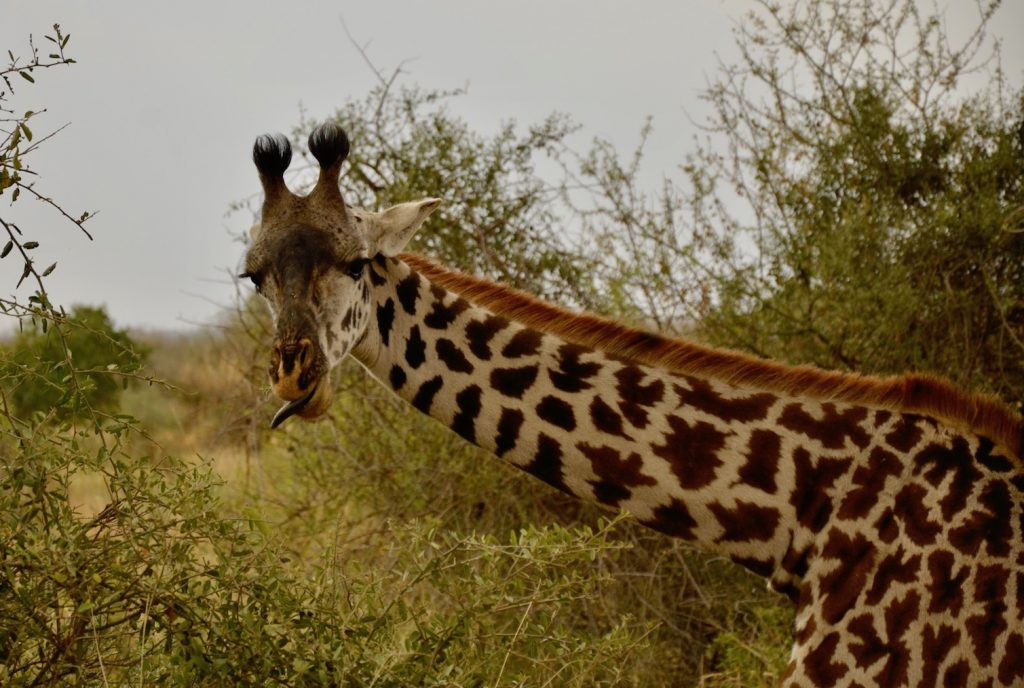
(305, 349)
(291, 359)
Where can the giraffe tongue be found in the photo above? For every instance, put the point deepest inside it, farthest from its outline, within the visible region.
(291, 408)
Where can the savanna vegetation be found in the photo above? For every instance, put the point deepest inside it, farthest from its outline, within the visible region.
(855, 200)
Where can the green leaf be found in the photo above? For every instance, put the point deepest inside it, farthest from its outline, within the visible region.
(28, 132)
(29, 245)
(48, 270)
(7, 249)
(27, 77)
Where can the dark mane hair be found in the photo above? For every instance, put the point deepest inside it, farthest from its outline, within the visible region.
(911, 393)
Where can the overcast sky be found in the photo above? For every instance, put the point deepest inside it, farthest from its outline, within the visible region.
(167, 98)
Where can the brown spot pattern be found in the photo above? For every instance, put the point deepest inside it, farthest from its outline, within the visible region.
(408, 291)
(869, 647)
(616, 475)
(557, 411)
(452, 356)
(415, 348)
(841, 588)
(914, 516)
(763, 455)
(701, 396)
(508, 430)
(425, 394)
(523, 343)
(468, 403)
(572, 373)
(936, 644)
(810, 497)
(819, 665)
(634, 397)
(990, 525)
(1011, 669)
(905, 434)
(441, 316)
(834, 428)
(936, 462)
(898, 617)
(673, 519)
(868, 482)
(479, 334)
(547, 462)
(746, 521)
(691, 452)
(605, 418)
(897, 567)
(985, 628)
(956, 675)
(513, 382)
(396, 377)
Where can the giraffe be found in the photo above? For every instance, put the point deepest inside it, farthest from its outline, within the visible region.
(889, 510)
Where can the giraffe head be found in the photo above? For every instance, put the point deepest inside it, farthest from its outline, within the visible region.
(308, 259)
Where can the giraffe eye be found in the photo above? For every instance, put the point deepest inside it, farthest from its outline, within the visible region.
(257, 280)
(356, 267)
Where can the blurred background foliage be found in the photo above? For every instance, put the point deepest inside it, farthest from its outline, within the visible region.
(103, 356)
(847, 203)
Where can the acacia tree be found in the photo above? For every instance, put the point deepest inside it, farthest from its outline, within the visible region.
(856, 200)
(500, 213)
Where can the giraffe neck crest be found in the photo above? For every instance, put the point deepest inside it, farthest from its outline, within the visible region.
(916, 393)
(675, 451)
(888, 529)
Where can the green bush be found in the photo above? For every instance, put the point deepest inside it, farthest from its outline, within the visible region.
(161, 587)
(41, 360)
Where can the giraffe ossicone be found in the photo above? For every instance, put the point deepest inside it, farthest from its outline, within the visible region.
(890, 510)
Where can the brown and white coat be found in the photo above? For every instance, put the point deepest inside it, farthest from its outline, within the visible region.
(890, 510)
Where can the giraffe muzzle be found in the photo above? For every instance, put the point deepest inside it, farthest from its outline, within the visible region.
(292, 368)
(309, 407)
(298, 375)
(291, 408)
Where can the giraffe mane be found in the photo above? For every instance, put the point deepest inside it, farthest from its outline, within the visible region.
(918, 393)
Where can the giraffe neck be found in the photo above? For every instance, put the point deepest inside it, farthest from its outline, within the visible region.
(691, 457)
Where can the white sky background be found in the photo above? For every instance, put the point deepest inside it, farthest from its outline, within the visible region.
(166, 99)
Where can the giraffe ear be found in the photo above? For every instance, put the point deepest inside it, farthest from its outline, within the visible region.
(388, 232)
